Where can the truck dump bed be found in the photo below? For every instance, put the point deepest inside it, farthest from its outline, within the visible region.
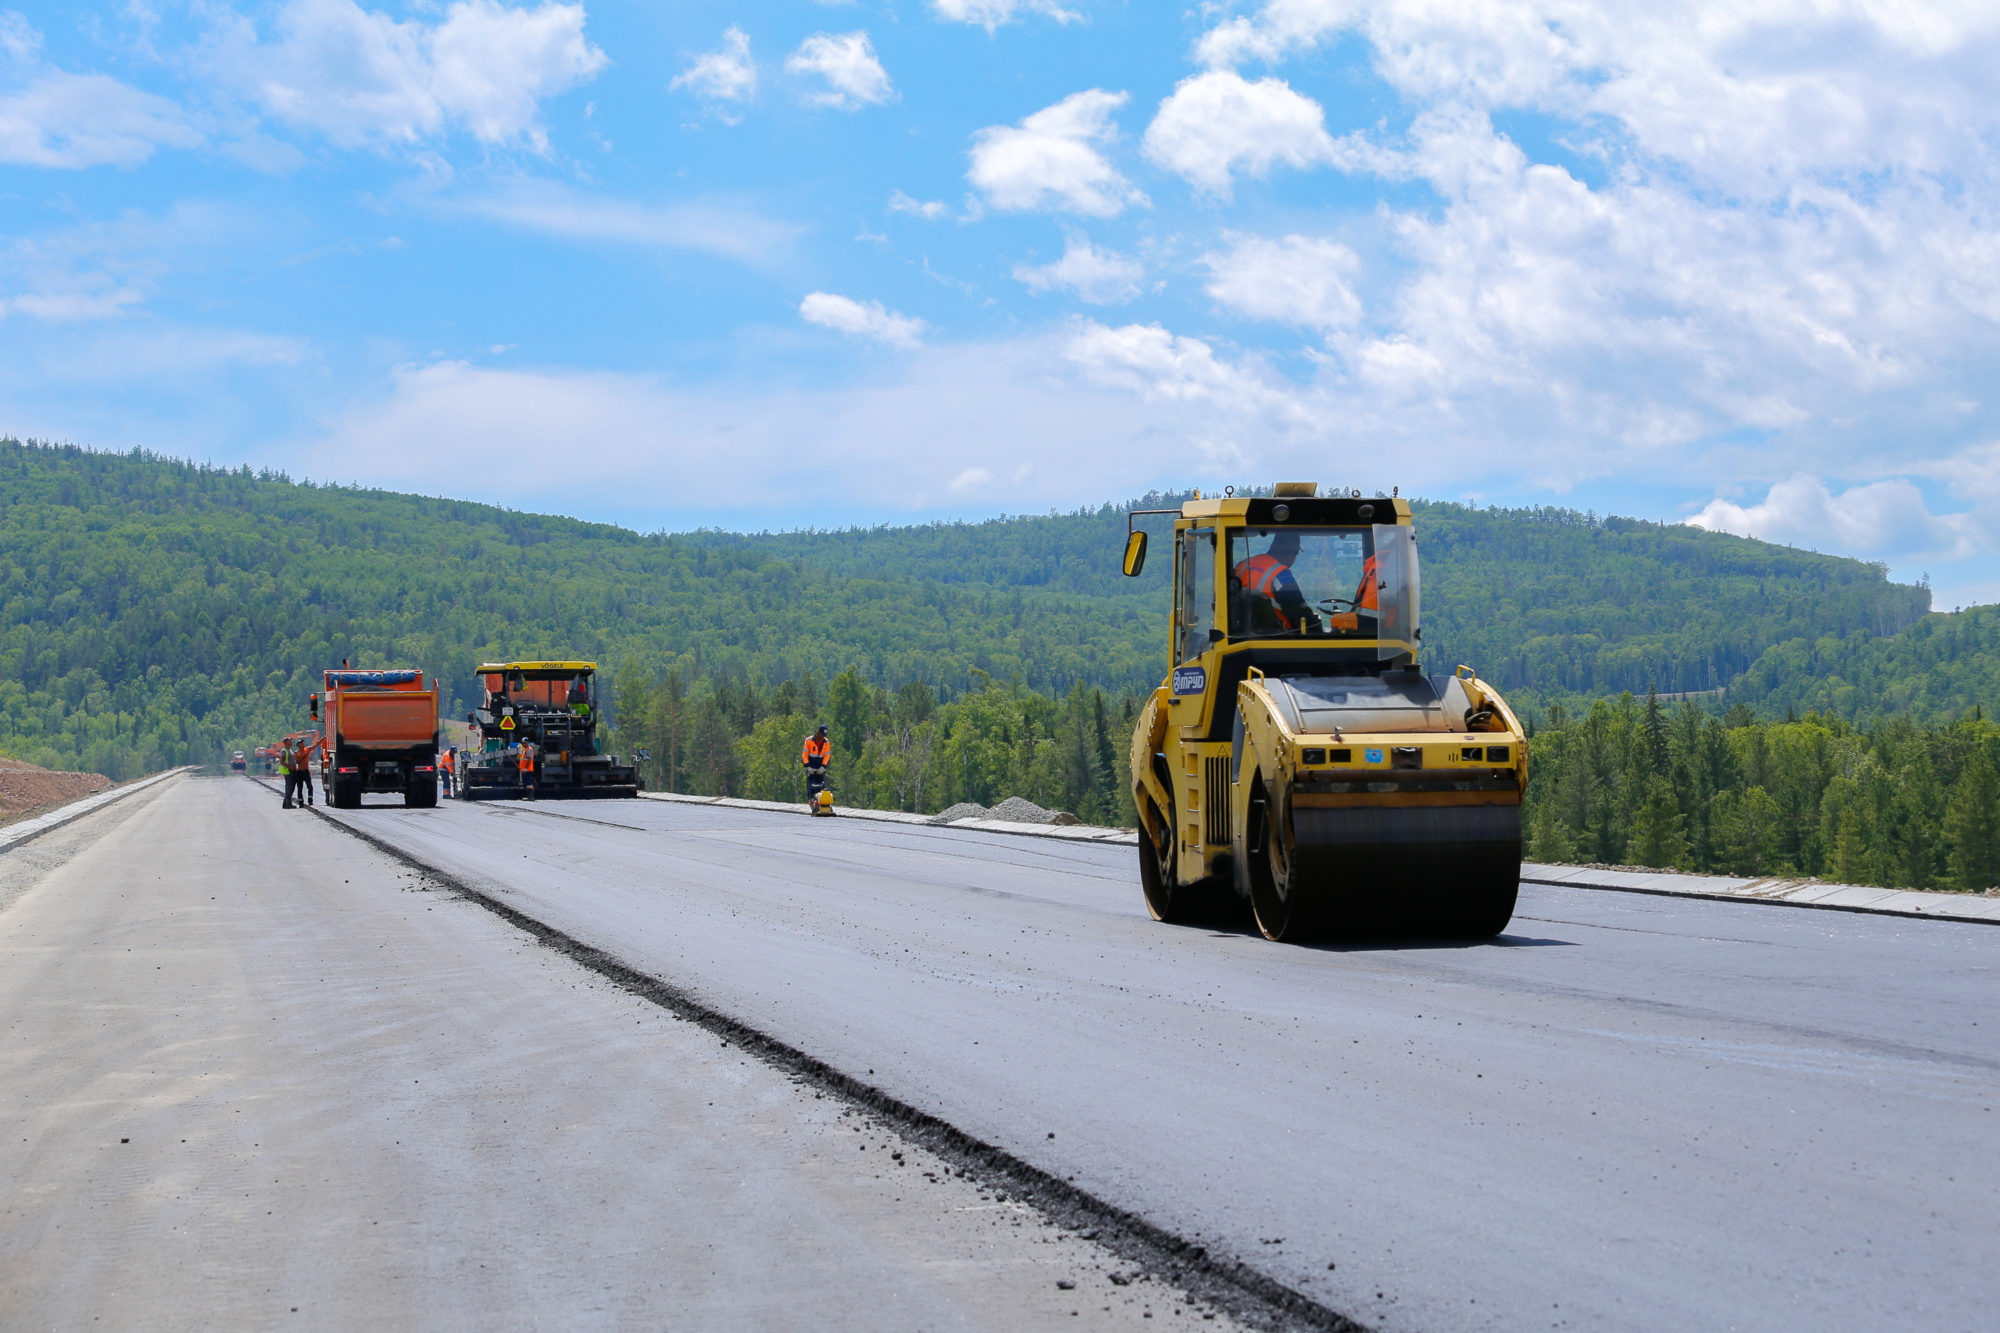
(381, 735)
(383, 721)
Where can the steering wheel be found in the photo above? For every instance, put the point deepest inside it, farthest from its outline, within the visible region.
(1339, 605)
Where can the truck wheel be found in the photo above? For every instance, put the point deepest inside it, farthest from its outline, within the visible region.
(346, 794)
(1273, 897)
(420, 795)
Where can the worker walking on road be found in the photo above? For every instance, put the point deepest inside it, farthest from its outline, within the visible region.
(288, 760)
(816, 759)
(444, 766)
(527, 761)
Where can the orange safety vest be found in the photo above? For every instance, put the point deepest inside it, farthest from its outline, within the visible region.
(816, 747)
(444, 761)
(1259, 577)
(527, 758)
(1364, 599)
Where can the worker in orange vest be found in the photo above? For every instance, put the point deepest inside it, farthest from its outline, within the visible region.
(308, 754)
(444, 767)
(293, 764)
(816, 758)
(1273, 589)
(1364, 600)
(527, 762)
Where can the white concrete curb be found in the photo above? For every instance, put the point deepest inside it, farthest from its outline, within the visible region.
(1785, 892)
(27, 829)
(1065, 832)
(1720, 888)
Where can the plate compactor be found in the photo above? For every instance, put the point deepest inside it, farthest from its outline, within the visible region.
(1297, 757)
(552, 706)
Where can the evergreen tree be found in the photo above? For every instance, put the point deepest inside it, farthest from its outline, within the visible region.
(1972, 825)
(848, 709)
(1850, 850)
(1659, 838)
(1748, 832)
(1549, 840)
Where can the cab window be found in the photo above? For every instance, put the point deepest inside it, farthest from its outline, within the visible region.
(1196, 597)
(1309, 582)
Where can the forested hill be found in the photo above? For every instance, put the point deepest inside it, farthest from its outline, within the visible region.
(1545, 600)
(154, 611)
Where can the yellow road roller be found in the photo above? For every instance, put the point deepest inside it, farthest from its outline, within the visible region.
(1297, 757)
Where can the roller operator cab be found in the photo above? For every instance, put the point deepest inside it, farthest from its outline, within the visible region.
(1297, 756)
(553, 709)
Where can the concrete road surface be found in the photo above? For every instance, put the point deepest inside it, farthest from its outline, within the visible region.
(254, 1074)
(1628, 1113)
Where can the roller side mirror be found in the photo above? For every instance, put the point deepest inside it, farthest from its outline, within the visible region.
(1135, 554)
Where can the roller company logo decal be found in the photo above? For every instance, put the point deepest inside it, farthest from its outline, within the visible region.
(1374, 755)
(1190, 679)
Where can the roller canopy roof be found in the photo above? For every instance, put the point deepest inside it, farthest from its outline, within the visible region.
(564, 668)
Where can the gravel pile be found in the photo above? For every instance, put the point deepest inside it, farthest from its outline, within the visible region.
(1017, 811)
(1014, 810)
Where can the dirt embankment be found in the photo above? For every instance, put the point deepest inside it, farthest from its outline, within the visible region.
(24, 788)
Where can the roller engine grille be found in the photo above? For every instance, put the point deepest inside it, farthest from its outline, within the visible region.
(1217, 798)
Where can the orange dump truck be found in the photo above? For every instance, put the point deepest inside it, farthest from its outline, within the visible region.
(380, 735)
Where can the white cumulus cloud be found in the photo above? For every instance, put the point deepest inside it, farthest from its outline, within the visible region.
(930, 210)
(1100, 277)
(1051, 159)
(861, 319)
(556, 210)
(991, 14)
(1159, 365)
(88, 300)
(854, 77)
(1217, 125)
(71, 121)
(358, 76)
(1301, 280)
(725, 75)
(1885, 518)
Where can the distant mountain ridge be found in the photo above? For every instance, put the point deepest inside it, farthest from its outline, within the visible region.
(154, 611)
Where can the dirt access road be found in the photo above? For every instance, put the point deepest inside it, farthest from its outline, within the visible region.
(255, 1074)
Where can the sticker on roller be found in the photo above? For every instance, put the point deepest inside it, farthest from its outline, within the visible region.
(1374, 755)
(1190, 679)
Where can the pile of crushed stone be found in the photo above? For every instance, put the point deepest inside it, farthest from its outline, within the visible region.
(1017, 811)
(1014, 810)
(25, 787)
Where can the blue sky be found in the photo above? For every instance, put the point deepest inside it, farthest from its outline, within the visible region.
(799, 263)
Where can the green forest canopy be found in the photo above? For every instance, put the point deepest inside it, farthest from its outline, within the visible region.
(154, 611)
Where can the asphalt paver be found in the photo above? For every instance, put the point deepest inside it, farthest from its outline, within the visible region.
(256, 1074)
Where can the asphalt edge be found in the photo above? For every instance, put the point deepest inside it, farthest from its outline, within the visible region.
(83, 805)
(1086, 833)
(1229, 1286)
(1856, 908)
